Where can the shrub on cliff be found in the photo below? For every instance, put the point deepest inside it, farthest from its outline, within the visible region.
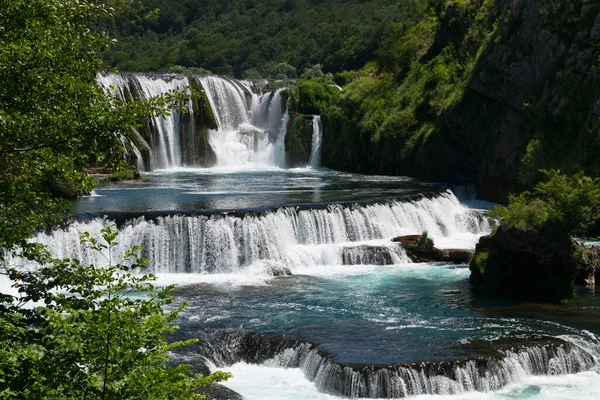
(562, 205)
(315, 96)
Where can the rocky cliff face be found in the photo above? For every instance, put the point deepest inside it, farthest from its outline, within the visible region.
(542, 68)
(298, 140)
(504, 88)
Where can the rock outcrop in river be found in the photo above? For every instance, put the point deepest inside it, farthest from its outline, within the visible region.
(524, 264)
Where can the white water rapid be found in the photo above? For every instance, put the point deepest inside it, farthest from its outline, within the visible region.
(482, 374)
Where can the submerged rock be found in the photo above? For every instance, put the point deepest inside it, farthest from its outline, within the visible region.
(219, 392)
(198, 363)
(420, 248)
(368, 255)
(528, 265)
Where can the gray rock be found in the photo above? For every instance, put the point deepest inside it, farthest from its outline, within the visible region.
(219, 392)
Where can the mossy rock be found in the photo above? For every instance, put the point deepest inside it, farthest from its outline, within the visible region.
(298, 141)
(420, 248)
(526, 265)
(219, 392)
(126, 175)
(63, 187)
(197, 150)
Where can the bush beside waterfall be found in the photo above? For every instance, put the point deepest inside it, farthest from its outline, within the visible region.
(72, 330)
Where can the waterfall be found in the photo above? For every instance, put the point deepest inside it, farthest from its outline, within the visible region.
(251, 127)
(228, 102)
(165, 140)
(504, 365)
(288, 237)
(481, 375)
(139, 160)
(317, 136)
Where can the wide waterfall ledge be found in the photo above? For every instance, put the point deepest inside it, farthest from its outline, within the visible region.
(497, 364)
(285, 239)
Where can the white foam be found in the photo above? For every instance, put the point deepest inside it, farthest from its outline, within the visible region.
(257, 382)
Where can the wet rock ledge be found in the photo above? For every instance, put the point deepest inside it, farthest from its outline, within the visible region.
(531, 265)
(420, 248)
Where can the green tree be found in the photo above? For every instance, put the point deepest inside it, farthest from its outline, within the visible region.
(252, 74)
(316, 71)
(75, 331)
(94, 332)
(561, 204)
(283, 71)
(54, 118)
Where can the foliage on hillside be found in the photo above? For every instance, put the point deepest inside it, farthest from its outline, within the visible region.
(242, 37)
(397, 103)
(480, 90)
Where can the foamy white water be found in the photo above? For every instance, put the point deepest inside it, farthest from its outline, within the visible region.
(256, 382)
(260, 382)
(286, 238)
(251, 127)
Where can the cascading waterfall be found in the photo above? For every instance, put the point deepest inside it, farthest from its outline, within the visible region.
(251, 127)
(317, 137)
(138, 157)
(402, 381)
(287, 237)
(507, 364)
(165, 141)
(228, 102)
(482, 374)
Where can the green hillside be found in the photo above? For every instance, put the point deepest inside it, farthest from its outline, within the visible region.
(233, 36)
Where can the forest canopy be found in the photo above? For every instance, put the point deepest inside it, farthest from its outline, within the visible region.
(234, 36)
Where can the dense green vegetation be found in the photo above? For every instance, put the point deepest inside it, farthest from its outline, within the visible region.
(469, 94)
(446, 89)
(88, 337)
(561, 204)
(245, 37)
(54, 119)
(70, 330)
